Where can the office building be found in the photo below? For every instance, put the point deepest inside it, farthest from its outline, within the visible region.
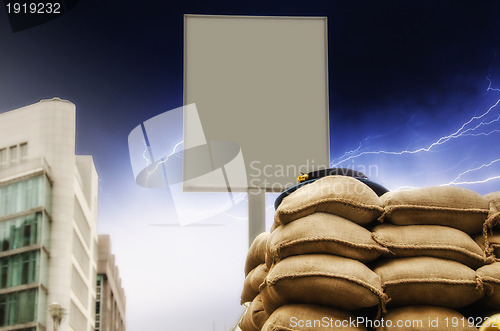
(48, 221)
(110, 297)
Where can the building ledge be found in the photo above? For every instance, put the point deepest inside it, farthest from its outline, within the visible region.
(27, 212)
(24, 169)
(23, 287)
(24, 250)
(23, 326)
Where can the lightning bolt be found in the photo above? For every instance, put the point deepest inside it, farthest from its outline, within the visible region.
(456, 182)
(164, 160)
(474, 182)
(457, 134)
(359, 146)
(489, 86)
(191, 213)
(481, 134)
(483, 124)
(148, 162)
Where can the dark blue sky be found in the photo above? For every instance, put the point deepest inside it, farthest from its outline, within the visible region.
(120, 62)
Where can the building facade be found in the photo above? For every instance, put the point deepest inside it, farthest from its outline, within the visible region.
(48, 220)
(110, 296)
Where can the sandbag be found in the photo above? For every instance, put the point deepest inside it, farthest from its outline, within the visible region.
(430, 240)
(494, 214)
(491, 228)
(252, 283)
(339, 195)
(489, 277)
(257, 252)
(322, 233)
(321, 279)
(493, 243)
(424, 318)
(297, 317)
(428, 281)
(451, 206)
(254, 317)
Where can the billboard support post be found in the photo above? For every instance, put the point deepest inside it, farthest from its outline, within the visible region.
(256, 213)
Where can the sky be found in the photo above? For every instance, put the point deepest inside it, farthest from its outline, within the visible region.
(413, 92)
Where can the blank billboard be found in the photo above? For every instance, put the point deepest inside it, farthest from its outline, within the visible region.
(260, 83)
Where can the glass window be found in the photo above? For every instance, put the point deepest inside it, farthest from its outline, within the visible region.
(99, 281)
(41, 304)
(18, 307)
(43, 268)
(24, 195)
(23, 231)
(27, 235)
(4, 275)
(20, 269)
(3, 310)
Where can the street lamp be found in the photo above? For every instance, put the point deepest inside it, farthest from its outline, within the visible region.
(57, 313)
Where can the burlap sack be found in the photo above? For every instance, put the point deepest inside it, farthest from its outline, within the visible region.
(252, 283)
(339, 195)
(491, 228)
(492, 247)
(489, 277)
(254, 317)
(451, 206)
(428, 281)
(257, 252)
(322, 233)
(298, 317)
(430, 240)
(494, 214)
(321, 279)
(424, 318)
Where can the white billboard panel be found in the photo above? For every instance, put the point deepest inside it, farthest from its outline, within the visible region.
(261, 83)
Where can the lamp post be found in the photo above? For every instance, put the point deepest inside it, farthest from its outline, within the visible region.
(57, 313)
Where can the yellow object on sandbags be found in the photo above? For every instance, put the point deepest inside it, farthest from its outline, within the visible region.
(491, 323)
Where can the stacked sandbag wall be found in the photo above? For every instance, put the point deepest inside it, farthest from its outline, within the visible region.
(339, 257)
(431, 271)
(255, 273)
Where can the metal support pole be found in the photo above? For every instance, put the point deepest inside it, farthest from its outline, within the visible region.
(256, 213)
